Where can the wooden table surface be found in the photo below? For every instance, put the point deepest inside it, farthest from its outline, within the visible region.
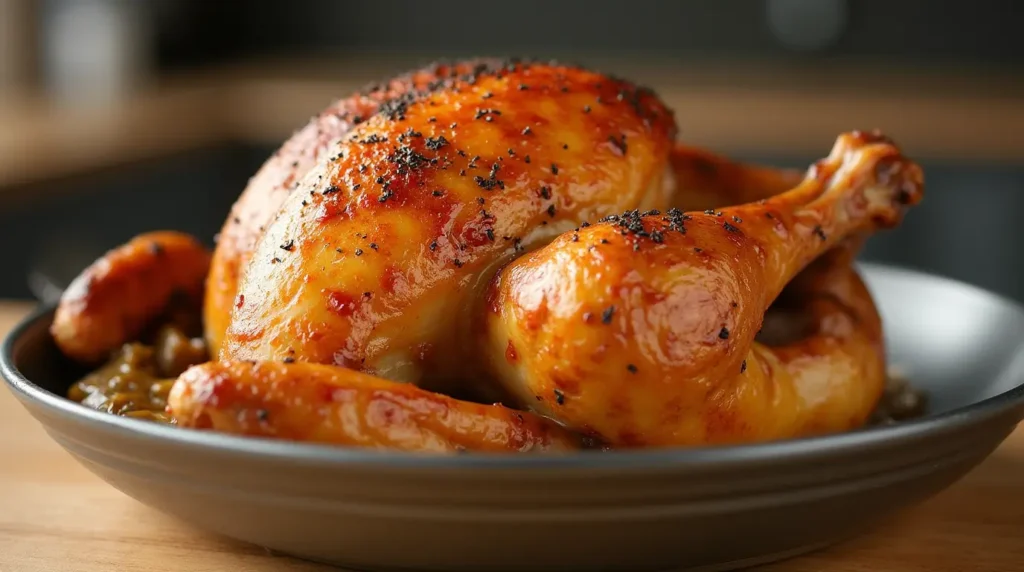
(57, 517)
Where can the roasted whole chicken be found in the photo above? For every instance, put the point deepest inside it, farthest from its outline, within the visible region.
(517, 256)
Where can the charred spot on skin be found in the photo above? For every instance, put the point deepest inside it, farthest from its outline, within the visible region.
(559, 397)
(607, 315)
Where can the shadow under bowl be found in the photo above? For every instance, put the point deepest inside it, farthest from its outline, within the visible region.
(699, 508)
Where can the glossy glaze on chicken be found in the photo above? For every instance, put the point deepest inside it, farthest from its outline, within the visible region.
(528, 233)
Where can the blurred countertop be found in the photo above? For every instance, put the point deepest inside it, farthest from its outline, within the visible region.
(945, 114)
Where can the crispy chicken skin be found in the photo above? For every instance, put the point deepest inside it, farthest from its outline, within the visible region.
(706, 180)
(116, 297)
(376, 261)
(640, 330)
(280, 175)
(329, 404)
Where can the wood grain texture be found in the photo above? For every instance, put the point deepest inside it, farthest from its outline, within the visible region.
(56, 516)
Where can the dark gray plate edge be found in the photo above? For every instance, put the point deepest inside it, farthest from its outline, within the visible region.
(641, 460)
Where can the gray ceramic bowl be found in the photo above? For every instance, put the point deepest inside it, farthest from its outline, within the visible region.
(709, 508)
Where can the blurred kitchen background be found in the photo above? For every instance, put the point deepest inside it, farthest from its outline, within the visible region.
(120, 116)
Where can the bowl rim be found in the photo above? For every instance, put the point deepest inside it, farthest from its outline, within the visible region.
(640, 459)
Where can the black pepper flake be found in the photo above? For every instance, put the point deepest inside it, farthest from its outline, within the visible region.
(551, 210)
(433, 245)
(743, 366)
(356, 186)
(575, 237)
(737, 219)
(619, 143)
(769, 216)
(554, 169)
(262, 414)
(490, 234)
(373, 139)
(156, 248)
(631, 368)
(457, 262)
(462, 172)
(289, 245)
(331, 190)
(437, 193)
(453, 125)
(275, 260)
(481, 200)
(511, 152)
(523, 87)
(288, 359)
(527, 130)
(373, 245)
(730, 227)
(565, 145)
(384, 196)
(380, 180)
(819, 232)
(486, 114)
(305, 202)
(339, 250)
(488, 184)
(606, 316)
(586, 109)
(545, 192)
(723, 333)
(487, 95)
(407, 159)
(559, 397)
(359, 252)
(527, 159)
(698, 250)
(432, 119)
(435, 143)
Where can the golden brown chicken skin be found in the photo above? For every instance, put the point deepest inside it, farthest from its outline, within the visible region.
(328, 404)
(119, 295)
(707, 180)
(640, 330)
(280, 175)
(378, 260)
